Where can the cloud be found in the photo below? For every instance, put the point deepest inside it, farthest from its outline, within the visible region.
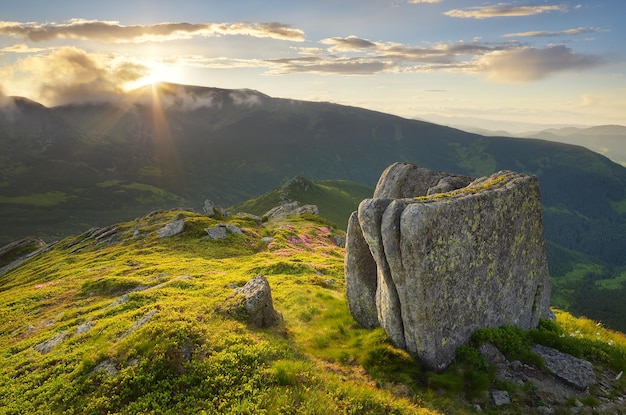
(567, 32)
(503, 10)
(337, 66)
(530, 64)
(7, 106)
(114, 32)
(71, 75)
(21, 48)
(502, 61)
(347, 44)
(423, 1)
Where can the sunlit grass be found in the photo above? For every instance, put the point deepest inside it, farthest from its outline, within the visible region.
(144, 329)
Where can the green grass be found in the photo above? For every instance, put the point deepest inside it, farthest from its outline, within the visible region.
(619, 281)
(335, 199)
(39, 199)
(145, 328)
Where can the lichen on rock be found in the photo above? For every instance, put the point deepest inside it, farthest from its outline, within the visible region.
(447, 264)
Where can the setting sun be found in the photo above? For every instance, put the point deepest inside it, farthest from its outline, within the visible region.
(156, 72)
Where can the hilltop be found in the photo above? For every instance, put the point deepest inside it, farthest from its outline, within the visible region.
(120, 320)
(67, 168)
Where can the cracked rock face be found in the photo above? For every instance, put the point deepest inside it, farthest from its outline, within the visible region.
(432, 267)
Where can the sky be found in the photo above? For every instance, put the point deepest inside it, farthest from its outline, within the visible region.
(537, 61)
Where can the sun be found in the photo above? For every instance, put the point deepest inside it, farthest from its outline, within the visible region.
(156, 73)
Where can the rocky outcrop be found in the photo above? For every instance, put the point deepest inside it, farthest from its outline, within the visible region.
(171, 229)
(433, 267)
(210, 209)
(289, 210)
(17, 253)
(222, 230)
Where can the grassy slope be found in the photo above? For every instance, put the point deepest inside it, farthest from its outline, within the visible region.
(192, 354)
(335, 199)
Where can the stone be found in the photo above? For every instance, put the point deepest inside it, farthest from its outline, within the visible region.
(47, 345)
(572, 371)
(19, 252)
(84, 327)
(233, 229)
(492, 354)
(216, 232)
(291, 209)
(139, 323)
(500, 398)
(173, 228)
(361, 291)
(258, 302)
(432, 269)
(402, 180)
(17, 249)
(211, 209)
(222, 230)
(106, 366)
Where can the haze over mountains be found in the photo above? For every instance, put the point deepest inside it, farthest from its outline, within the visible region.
(66, 169)
(608, 140)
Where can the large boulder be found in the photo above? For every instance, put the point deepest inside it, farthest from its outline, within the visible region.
(447, 263)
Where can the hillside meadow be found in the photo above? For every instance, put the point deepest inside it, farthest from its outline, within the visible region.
(120, 321)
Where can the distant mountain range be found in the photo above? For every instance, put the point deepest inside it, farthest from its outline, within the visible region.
(608, 140)
(65, 169)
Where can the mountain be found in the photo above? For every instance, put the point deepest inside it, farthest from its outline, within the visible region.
(66, 169)
(119, 320)
(608, 140)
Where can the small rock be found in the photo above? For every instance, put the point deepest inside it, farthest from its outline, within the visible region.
(216, 232)
(173, 228)
(340, 241)
(258, 301)
(500, 398)
(46, 346)
(574, 372)
(267, 239)
(288, 210)
(139, 323)
(234, 229)
(492, 354)
(106, 366)
(84, 327)
(211, 209)
(545, 410)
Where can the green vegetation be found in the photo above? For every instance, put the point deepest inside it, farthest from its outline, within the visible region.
(40, 199)
(136, 324)
(335, 199)
(463, 191)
